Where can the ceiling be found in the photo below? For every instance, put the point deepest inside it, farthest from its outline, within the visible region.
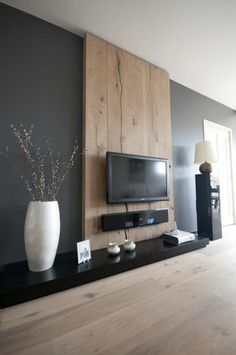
(194, 40)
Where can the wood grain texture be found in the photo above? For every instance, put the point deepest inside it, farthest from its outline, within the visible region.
(127, 109)
(183, 305)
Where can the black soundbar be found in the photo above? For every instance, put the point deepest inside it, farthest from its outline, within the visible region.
(124, 220)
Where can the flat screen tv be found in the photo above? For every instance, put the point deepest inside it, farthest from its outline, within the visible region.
(135, 178)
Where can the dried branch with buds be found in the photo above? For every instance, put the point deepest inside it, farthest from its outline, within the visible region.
(46, 171)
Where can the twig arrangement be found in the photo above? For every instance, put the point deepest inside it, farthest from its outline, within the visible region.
(46, 171)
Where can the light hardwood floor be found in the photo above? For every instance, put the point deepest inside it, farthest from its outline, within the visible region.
(184, 305)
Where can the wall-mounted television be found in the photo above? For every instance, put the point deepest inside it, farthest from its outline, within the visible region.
(136, 178)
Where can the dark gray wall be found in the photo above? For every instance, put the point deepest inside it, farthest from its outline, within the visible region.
(40, 83)
(188, 109)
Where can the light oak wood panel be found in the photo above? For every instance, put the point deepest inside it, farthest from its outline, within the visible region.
(127, 109)
(183, 305)
(96, 125)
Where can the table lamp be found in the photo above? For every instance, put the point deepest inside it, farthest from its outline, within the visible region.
(204, 155)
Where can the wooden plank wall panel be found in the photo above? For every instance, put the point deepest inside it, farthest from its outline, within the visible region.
(95, 134)
(161, 133)
(127, 109)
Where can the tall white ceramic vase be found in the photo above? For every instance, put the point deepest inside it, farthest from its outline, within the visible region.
(42, 231)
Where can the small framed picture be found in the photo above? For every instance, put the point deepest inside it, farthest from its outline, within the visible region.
(83, 251)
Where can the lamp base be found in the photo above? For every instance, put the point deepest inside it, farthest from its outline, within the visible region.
(205, 168)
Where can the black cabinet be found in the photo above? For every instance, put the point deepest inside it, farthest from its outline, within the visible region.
(208, 207)
(18, 284)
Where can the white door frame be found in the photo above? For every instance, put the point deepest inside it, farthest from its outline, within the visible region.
(209, 124)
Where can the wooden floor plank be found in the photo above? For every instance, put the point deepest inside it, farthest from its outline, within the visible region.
(75, 317)
(174, 334)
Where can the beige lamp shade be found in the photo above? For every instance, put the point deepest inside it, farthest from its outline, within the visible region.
(204, 152)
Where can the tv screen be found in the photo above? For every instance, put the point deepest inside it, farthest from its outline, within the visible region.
(133, 178)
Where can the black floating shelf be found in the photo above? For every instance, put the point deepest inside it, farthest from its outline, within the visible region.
(18, 284)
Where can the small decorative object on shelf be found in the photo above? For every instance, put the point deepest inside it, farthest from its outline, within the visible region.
(83, 251)
(113, 248)
(129, 245)
(43, 179)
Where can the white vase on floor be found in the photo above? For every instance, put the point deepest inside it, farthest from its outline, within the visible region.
(42, 231)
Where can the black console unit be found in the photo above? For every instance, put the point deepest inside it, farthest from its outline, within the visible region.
(124, 220)
(18, 284)
(208, 207)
